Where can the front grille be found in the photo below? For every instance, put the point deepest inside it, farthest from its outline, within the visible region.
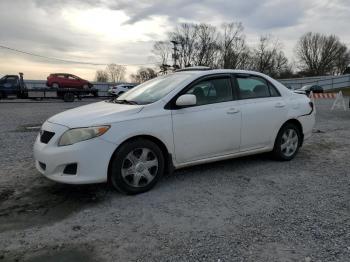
(46, 136)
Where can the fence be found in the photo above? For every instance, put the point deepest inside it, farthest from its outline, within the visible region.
(327, 82)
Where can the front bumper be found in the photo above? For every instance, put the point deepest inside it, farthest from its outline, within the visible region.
(91, 156)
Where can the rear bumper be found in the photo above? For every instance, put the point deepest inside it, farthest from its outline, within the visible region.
(308, 123)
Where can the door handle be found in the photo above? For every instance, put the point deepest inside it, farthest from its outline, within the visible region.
(232, 111)
(280, 104)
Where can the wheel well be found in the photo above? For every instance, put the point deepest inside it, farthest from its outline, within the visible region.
(167, 156)
(299, 126)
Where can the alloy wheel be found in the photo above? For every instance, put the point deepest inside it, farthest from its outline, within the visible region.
(139, 167)
(289, 143)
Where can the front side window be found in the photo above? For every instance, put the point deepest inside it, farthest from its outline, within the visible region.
(255, 87)
(212, 91)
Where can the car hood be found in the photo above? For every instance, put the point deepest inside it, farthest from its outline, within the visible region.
(95, 114)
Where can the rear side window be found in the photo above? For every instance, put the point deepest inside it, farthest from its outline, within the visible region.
(255, 87)
(71, 77)
(211, 91)
(273, 90)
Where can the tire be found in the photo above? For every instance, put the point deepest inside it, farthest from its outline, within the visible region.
(68, 97)
(55, 85)
(136, 167)
(287, 142)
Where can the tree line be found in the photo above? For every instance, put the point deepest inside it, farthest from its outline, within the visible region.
(226, 47)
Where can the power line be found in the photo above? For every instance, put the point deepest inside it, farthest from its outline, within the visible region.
(64, 60)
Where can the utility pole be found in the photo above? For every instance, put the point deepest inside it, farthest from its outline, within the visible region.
(175, 55)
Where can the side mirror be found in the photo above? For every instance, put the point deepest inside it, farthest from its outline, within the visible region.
(186, 100)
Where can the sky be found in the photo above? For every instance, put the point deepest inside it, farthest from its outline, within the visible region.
(123, 32)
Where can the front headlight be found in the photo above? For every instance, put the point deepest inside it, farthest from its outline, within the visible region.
(76, 135)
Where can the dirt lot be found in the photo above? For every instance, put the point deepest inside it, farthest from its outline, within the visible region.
(247, 209)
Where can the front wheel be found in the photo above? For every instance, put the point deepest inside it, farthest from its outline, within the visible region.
(136, 166)
(287, 142)
(55, 85)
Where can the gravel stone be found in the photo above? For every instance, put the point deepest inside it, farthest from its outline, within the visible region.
(246, 209)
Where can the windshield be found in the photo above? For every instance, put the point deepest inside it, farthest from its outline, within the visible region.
(153, 90)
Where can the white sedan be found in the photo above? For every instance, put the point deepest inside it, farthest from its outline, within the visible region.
(120, 89)
(173, 121)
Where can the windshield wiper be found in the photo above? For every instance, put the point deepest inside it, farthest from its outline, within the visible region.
(123, 101)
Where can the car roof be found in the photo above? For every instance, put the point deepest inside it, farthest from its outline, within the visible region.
(204, 72)
(66, 74)
(10, 76)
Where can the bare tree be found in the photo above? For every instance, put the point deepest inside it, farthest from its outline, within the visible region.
(143, 74)
(116, 73)
(224, 47)
(319, 54)
(206, 45)
(101, 76)
(268, 57)
(162, 51)
(185, 35)
(233, 49)
(342, 63)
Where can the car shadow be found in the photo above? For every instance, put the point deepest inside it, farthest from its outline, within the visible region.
(46, 202)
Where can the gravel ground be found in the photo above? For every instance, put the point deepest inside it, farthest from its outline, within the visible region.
(246, 209)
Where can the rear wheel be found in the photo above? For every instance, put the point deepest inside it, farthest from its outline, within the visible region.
(136, 166)
(68, 97)
(287, 142)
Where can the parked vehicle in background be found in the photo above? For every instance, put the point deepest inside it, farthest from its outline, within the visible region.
(12, 85)
(308, 88)
(181, 119)
(62, 80)
(120, 89)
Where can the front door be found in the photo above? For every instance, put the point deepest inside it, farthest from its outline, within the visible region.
(212, 127)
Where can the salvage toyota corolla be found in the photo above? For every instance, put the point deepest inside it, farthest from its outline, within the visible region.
(190, 117)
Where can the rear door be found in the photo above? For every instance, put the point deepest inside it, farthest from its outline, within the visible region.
(263, 111)
(61, 80)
